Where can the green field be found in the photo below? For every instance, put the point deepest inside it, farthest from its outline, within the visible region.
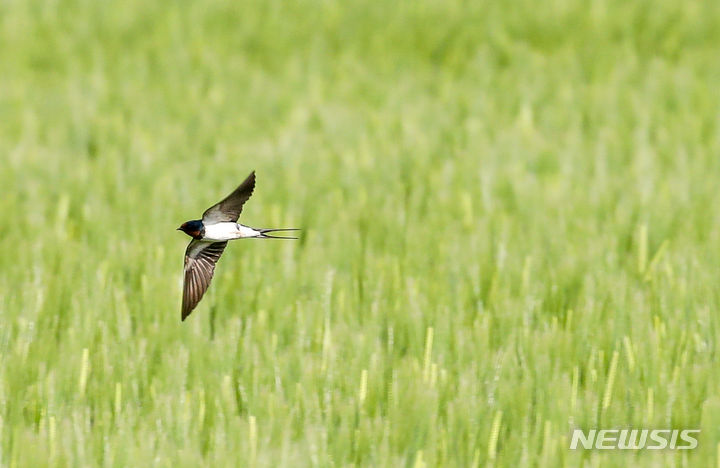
(510, 230)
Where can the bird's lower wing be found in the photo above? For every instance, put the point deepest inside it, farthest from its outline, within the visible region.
(200, 260)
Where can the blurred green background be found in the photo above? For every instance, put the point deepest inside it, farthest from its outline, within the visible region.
(509, 214)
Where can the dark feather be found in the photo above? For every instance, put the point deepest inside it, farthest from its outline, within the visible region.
(230, 207)
(200, 260)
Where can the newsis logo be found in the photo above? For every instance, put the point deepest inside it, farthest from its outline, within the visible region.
(634, 439)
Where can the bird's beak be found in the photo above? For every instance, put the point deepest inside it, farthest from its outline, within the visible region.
(178, 229)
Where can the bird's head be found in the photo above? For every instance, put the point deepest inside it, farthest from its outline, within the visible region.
(194, 229)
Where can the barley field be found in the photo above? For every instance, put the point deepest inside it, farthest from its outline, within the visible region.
(510, 230)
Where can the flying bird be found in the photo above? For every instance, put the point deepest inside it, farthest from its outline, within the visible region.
(210, 236)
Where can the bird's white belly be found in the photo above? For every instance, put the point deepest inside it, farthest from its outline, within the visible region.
(221, 232)
(228, 231)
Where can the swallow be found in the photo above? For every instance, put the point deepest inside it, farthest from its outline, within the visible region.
(210, 235)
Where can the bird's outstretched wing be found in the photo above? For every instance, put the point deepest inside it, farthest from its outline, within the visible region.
(229, 209)
(200, 260)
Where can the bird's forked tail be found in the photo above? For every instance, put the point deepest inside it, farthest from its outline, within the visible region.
(264, 233)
